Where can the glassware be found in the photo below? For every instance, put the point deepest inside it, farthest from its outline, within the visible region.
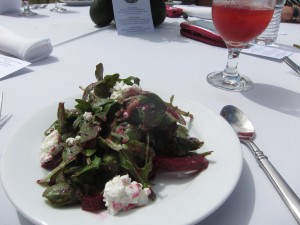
(26, 11)
(238, 22)
(269, 36)
(58, 8)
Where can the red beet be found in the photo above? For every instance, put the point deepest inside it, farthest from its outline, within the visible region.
(93, 203)
(188, 163)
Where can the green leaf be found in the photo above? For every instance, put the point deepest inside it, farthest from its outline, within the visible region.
(62, 194)
(151, 110)
(83, 106)
(88, 131)
(105, 107)
(99, 72)
(141, 174)
(131, 80)
(70, 153)
(111, 163)
(89, 152)
(51, 177)
(77, 122)
(62, 117)
(102, 89)
(95, 164)
(110, 144)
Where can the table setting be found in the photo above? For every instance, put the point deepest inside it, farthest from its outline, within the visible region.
(239, 186)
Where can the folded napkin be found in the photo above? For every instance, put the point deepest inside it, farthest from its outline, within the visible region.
(203, 12)
(28, 49)
(8, 6)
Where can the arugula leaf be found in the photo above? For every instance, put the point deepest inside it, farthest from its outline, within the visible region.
(94, 164)
(62, 194)
(131, 80)
(102, 89)
(88, 131)
(111, 163)
(104, 108)
(150, 107)
(141, 175)
(83, 106)
(128, 160)
(99, 72)
(62, 118)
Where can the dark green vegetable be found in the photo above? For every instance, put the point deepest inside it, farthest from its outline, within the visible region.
(62, 193)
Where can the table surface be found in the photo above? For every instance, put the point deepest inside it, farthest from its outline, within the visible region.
(164, 60)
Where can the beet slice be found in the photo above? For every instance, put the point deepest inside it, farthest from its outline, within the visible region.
(187, 163)
(93, 203)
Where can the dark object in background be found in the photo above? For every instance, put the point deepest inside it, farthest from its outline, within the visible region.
(197, 2)
(101, 12)
(188, 2)
(158, 10)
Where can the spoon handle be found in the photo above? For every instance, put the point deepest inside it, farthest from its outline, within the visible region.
(286, 193)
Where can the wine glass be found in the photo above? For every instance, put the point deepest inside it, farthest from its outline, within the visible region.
(238, 22)
(58, 8)
(26, 11)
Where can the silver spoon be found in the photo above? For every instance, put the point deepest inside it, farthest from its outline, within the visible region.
(246, 133)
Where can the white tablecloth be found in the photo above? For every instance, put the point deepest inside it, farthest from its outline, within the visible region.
(165, 60)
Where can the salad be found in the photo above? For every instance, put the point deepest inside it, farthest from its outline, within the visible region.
(104, 152)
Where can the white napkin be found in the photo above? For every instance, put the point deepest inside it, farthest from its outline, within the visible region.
(28, 49)
(203, 12)
(7, 6)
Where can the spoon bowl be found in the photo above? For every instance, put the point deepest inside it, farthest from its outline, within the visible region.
(246, 133)
(239, 122)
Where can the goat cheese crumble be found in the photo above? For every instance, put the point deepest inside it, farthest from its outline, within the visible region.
(50, 147)
(122, 194)
(72, 141)
(87, 116)
(121, 90)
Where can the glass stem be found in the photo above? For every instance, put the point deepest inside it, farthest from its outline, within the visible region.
(26, 5)
(231, 72)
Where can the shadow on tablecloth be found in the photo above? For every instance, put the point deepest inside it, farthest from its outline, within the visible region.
(276, 98)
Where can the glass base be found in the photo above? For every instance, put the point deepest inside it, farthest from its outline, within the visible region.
(217, 79)
(27, 12)
(58, 9)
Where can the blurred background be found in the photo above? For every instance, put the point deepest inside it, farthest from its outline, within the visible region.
(41, 1)
(185, 2)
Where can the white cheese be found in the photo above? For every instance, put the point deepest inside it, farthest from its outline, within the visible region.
(122, 194)
(50, 147)
(72, 141)
(122, 91)
(88, 116)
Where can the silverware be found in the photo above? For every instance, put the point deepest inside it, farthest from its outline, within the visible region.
(246, 133)
(292, 64)
(1, 101)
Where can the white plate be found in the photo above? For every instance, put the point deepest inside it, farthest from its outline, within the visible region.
(193, 197)
(78, 2)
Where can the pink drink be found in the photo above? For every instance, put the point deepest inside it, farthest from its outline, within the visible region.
(240, 23)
